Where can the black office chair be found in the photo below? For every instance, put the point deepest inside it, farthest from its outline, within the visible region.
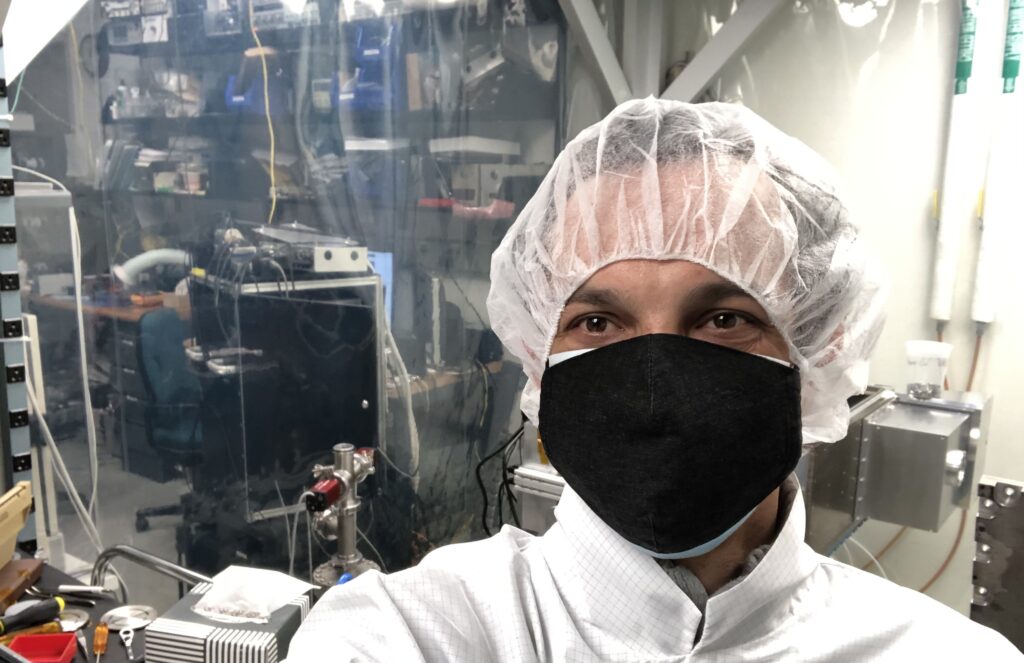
(172, 412)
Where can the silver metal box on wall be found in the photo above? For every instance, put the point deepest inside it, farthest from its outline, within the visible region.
(921, 456)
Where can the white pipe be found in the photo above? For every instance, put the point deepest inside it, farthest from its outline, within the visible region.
(966, 144)
(131, 269)
(1005, 176)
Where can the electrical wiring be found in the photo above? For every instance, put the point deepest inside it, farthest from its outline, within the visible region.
(287, 521)
(266, 111)
(974, 359)
(480, 479)
(507, 476)
(79, 105)
(885, 548)
(873, 559)
(76, 259)
(17, 95)
(376, 553)
(47, 111)
(487, 389)
(938, 337)
(414, 437)
(295, 534)
(309, 543)
(90, 421)
(395, 467)
(61, 470)
(949, 557)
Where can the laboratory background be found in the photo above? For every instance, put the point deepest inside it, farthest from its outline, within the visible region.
(244, 257)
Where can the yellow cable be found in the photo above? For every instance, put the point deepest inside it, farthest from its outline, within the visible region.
(79, 106)
(266, 111)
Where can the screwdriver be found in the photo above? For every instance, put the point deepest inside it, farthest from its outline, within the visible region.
(99, 640)
(39, 613)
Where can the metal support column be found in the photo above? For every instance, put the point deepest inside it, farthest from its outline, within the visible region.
(642, 30)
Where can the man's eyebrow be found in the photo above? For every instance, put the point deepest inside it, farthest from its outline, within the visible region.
(709, 294)
(594, 297)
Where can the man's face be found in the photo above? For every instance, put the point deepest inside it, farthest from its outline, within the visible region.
(637, 297)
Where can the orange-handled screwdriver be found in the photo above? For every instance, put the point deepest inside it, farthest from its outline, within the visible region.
(99, 640)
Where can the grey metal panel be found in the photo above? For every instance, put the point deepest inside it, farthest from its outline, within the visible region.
(907, 481)
(832, 477)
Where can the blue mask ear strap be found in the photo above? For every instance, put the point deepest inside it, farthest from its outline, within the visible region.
(703, 548)
(559, 357)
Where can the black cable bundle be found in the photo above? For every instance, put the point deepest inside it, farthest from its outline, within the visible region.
(504, 479)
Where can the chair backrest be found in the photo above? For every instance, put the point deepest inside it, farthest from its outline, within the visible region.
(163, 362)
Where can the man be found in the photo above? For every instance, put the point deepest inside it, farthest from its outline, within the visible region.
(691, 305)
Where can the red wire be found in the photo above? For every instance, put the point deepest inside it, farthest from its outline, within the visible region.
(974, 361)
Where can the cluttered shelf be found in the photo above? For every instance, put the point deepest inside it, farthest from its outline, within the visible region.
(424, 121)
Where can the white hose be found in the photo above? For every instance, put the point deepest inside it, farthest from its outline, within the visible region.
(90, 421)
(414, 435)
(76, 259)
(57, 460)
(130, 270)
(295, 536)
(870, 556)
(62, 473)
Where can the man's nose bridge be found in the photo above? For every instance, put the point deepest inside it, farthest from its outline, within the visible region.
(663, 323)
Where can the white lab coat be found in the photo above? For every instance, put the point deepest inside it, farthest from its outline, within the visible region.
(582, 593)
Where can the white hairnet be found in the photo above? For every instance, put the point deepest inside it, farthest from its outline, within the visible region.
(716, 185)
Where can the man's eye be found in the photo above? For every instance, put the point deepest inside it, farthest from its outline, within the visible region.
(595, 324)
(728, 321)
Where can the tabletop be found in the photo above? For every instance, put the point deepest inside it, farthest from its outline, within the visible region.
(115, 650)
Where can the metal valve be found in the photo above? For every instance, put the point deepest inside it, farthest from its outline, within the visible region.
(335, 502)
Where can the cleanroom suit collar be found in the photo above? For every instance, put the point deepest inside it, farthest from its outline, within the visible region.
(624, 598)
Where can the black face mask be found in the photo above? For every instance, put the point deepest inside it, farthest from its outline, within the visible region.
(672, 442)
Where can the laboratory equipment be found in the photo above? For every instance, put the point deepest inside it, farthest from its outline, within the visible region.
(379, 79)
(921, 457)
(334, 500)
(999, 558)
(283, 344)
(926, 361)
(245, 91)
(181, 632)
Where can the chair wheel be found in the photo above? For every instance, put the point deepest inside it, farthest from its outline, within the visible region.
(141, 524)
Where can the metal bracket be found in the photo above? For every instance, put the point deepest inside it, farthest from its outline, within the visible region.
(21, 462)
(585, 24)
(15, 373)
(728, 41)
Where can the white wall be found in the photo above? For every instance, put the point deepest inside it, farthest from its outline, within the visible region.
(874, 100)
